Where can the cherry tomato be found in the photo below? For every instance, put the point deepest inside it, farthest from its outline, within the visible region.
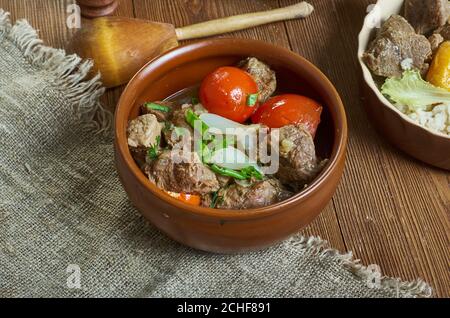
(289, 109)
(231, 93)
(191, 199)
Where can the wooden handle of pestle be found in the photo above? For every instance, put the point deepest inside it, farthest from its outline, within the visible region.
(244, 21)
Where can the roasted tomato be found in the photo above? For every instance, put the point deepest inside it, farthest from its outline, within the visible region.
(230, 92)
(289, 109)
(439, 73)
(191, 199)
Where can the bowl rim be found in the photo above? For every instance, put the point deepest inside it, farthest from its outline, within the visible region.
(367, 74)
(337, 155)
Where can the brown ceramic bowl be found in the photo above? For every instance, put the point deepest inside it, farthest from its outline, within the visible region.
(227, 231)
(415, 140)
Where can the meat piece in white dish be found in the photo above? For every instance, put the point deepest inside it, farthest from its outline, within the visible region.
(444, 32)
(396, 43)
(426, 15)
(436, 40)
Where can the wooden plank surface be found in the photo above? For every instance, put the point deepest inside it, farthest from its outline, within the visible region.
(389, 209)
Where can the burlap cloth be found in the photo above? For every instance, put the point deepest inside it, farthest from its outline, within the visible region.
(62, 206)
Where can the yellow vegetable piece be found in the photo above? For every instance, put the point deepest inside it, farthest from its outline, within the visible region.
(439, 73)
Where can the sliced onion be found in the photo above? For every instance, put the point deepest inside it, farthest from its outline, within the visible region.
(229, 127)
(232, 158)
(222, 123)
(199, 109)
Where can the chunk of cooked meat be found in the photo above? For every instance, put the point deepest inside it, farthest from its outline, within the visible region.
(179, 116)
(444, 32)
(207, 200)
(298, 161)
(435, 41)
(139, 154)
(395, 43)
(426, 15)
(177, 136)
(398, 23)
(179, 171)
(142, 133)
(177, 129)
(162, 116)
(264, 77)
(257, 195)
(224, 180)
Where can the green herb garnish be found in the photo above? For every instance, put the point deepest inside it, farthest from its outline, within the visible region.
(191, 118)
(154, 106)
(227, 172)
(215, 197)
(195, 101)
(252, 172)
(244, 174)
(153, 151)
(203, 151)
(201, 148)
(252, 99)
(221, 143)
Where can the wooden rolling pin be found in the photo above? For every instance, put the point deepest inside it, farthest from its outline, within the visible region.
(121, 46)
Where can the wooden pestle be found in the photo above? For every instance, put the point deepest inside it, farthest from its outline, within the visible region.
(120, 46)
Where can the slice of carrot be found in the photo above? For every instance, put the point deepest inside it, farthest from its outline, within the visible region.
(192, 199)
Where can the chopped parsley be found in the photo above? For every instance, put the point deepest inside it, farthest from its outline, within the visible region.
(252, 99)
(153, 151)
(215, 196)
(252, 172)
(216, 199)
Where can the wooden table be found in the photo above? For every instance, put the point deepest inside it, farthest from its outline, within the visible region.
(390, 209)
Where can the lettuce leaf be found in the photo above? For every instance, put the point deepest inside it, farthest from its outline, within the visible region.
(414, 92)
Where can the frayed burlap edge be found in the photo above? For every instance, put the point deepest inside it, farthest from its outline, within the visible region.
(319, 247)
(69, 72)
